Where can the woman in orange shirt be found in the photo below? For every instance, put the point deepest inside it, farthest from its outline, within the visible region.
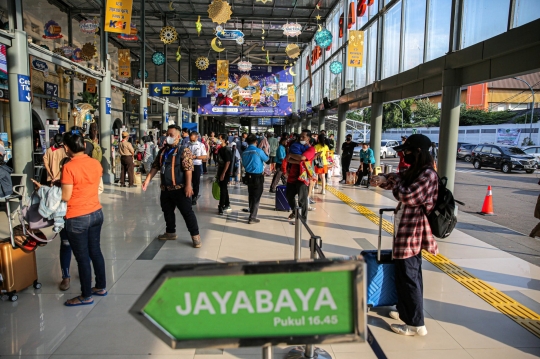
(81, 178)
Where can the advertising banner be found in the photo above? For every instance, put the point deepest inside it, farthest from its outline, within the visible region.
(91, 85)
(264, 92)
(118, 16)
(291, 93)
(355, 50)
(222, 74)
(508, 136)
(124, 62)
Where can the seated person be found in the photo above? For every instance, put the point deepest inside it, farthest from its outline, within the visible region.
(6, 187)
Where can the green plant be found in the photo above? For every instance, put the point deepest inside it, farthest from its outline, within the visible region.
(89, 98)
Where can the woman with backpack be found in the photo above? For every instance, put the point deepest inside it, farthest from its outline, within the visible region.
(416, 189)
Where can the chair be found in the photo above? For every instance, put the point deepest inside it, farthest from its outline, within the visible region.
(19, 191)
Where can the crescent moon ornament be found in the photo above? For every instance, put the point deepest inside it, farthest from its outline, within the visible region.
(284, 67)
(320, 28)
(292, 72)
(171, 7)
(215, 47)
(262, 48)
(263, 30)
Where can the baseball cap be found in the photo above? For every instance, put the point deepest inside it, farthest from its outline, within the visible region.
(415, 141)
(403, 137)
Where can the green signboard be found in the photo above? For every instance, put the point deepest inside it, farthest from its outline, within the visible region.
(247, 304)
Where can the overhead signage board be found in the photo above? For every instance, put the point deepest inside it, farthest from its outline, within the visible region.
(265, 122)
(51, 104)
(24, 88)
(51, 89)
(176, 90)
(252, 304)
(229, 34)
(278, 121)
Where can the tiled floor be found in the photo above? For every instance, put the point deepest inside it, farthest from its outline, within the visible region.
(460, 324)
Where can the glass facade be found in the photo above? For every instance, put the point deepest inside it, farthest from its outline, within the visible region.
(412, 32)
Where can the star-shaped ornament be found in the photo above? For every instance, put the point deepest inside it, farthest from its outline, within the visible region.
(286, 61)
(318, 17)
(262, 37)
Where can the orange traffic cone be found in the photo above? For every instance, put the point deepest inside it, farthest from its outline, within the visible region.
(487, 208)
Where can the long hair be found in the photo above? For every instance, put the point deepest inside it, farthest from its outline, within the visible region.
(321, 140)
(423, 159)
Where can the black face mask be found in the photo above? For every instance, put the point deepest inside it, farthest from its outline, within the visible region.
(348, 140)
(409, 158)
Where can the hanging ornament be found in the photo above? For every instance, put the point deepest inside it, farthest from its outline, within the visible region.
(68, 51)
(267, 57)
(292, 50)
(132, 36)
(202, 63)
(336, 67)
(58, 51)
(52, 30)
(244, 81)
(171, 7)
(178, 54)
(145, 74)
(323, 38)
(264, 1)
(88, 51)
(168, 35)
(158, 58)
(77, 55)
(292, 29)
(88, 26)
(198, 25)
(351, 17)
(219, 29)
(244, 66)
(341, 25)
(240, 40)
(81, 77)
(215, 45)
(219, 11)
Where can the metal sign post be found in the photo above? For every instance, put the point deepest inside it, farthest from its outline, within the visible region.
(256, 304)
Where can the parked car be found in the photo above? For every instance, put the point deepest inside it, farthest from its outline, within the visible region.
(505, 158)
(533, 151)
(387, 148)
(464, 152)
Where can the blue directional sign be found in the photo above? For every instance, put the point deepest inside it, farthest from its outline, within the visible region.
(176, 90)
(51, 89)
(107, 105)
(265, 122)
(278, 121)
(167, 117)
(51, 104)
(229, 34)
(24, 88)
(145, 116)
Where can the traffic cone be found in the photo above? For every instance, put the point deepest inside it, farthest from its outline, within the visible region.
(487, 208)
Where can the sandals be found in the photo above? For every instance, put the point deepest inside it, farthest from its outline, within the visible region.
(82, 301)
(100, 292)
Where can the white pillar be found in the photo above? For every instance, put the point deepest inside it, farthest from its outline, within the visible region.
(143, 112)
(165, 115)
(106, 127)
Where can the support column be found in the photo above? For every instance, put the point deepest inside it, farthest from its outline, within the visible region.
(165, 115)
(376, 127)
(197, 122)
(179, 114)
(342, 126)
(450, 107)
(143, 113)
(105, 127)
(20, 112)
(322, 120)
(308, 122)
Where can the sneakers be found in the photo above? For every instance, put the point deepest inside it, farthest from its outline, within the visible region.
(342, 181)
(311, 201)
(64, 285)
(220, 210)
(196, 241)
(311, 208)
(227, 209)
(167, 236)
(317, 186)
(272, 190)
(323, 192)
(394, 314)
(254, 220)
(405, 329)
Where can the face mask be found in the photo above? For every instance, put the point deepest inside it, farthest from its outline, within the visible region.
(193, 142)
(170, 140)
(219, 142)
(348, 140)
(302, 142)
(409, 158)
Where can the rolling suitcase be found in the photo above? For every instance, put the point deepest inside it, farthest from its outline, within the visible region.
(380, 277)
(18, 269)
(281, 199)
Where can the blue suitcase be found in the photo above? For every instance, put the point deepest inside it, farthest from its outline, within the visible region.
(380, 277)
(281, 199)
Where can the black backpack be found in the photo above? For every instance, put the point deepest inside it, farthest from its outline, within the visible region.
(442, 218)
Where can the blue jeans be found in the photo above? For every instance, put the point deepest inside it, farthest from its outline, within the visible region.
(65, 254)
(84, 234)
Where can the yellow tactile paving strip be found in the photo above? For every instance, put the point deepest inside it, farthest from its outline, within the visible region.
(519, 313)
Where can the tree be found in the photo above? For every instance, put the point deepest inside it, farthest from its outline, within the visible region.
(426, 114)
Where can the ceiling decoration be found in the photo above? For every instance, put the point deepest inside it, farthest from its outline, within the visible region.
(67, 51)
(52, 30)
(145, 74)
(158, 58)
(215, 45)
(292, 29)
(198, 26)
(323, 38)
(336, 67)
(202, 63)
(77, 55)
(219, 11)
(168, 35)
(244, 81)
(244, 66)
(89, 26)
(292, 50)
(178, 54)
(88, 51)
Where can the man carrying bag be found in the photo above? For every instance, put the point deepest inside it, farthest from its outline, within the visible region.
(253, 160)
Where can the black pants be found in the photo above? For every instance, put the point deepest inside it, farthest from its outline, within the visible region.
(170, 200)
(277, 177)
(345, 164)
(363, 172)
(204, 169)
(224, 193)
(126, 163)
(196, 180)
(410, 290)
(255, 191)
(300, 189)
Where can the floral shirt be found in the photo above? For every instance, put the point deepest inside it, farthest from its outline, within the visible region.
(187, 165)
(413, 232)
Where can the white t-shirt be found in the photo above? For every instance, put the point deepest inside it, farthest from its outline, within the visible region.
(197, 149)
